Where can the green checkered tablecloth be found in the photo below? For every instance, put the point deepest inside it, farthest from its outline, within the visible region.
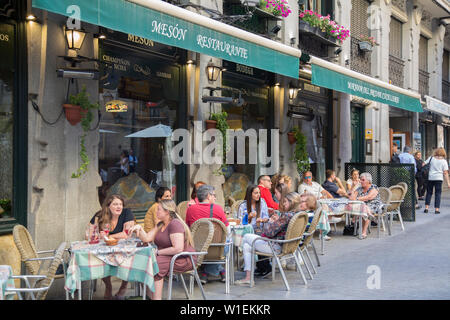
(6, 282)
(125, 261)
(239, 231)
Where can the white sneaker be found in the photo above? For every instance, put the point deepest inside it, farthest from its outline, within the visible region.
(326, 238)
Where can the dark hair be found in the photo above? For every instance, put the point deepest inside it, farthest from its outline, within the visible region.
(329, 173)
(283, 190)
(125, 153)
(160, 192)
(275, 179)
(260, 178)
(248, 200)
(195, 188)
(104, 216)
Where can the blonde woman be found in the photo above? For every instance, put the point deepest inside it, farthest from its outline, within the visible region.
(438, 171)
(171, 236)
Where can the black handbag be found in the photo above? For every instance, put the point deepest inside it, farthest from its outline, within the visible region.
(426, 169)
(349, 230)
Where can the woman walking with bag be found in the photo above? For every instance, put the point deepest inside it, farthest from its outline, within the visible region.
(438, 169)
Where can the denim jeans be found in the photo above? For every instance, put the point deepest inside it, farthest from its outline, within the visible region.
(437, 185)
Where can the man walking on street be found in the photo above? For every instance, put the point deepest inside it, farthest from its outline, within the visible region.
(407, 157)
(394, 158)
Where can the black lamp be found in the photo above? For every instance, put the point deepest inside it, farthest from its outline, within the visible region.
(212, 71)
(74, 38)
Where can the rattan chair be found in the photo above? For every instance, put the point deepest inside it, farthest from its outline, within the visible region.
(235, 207)
(398, 196)
(42, 283)
(29, 256)
(202, 235)
(216, 252)
(290, 245)
(182, 208)
(385, 196)
(404, 185)
(308, 242)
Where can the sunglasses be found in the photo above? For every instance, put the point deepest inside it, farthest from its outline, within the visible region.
(308, 177)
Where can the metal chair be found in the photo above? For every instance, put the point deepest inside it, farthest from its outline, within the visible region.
(398, 196)
(216, 252)
(182, 208)
(290, 245)
(42, 283)
(308, 241)
(385, 196)
(202, 235)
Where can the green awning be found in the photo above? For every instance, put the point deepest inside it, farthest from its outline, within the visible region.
(362, 86)
(174, 26)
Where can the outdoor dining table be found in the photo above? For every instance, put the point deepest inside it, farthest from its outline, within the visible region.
(6, 282)
(237, 234)
(124, 260)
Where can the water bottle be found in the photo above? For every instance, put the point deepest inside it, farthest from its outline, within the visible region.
(245, 218)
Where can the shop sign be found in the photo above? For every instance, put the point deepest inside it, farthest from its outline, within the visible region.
(157, 26)
(244, 70)
(334, 80)
(311, 88)
(369, 134)
(417, 141)
(437, 106)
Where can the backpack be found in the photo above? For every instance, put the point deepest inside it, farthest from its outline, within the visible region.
(426, 169)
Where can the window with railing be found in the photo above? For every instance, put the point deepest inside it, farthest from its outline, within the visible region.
(445, 77)
(360, 61)
(396, 63)
(424, 76)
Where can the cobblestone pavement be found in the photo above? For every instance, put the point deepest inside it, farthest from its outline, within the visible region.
(413, 264)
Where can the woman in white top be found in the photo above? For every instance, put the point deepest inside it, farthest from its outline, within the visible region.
(353, 182)
(438, 170)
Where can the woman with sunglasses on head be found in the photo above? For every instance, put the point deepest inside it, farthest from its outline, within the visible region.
(275, 228)
(112, 221)
(150, 219)
(171, 236)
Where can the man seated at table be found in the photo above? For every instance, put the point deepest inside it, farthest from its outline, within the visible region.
(265, 184)
(206, 208)
(309, 186)
(334, 185)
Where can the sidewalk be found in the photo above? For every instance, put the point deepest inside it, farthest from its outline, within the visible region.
(414, 264)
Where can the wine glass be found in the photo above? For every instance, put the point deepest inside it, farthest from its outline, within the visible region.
(106, 229)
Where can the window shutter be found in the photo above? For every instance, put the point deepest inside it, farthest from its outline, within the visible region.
(445, 66)
(423, 54)
(359, 18)
(395, 38)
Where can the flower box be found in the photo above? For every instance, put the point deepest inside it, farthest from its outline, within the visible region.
(365, 46)
(307, 28)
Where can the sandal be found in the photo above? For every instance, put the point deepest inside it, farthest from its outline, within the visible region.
(363, 237)
(242, 281)
(117, 297)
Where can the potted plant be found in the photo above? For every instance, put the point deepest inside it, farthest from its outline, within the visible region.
(366, 43)
(291, 137)
(82, 101)
(276, 7)
(5, 208)
(322, 26)
(300, 153)
(221, 124)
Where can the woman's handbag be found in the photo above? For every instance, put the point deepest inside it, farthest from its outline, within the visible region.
(426, 169)
(349, 230)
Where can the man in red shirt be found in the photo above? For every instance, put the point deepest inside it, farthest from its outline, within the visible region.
(206, 208)
(264, 184)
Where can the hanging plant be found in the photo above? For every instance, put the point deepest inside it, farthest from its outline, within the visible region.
(82, 99)
(300, 152)
(222, 126)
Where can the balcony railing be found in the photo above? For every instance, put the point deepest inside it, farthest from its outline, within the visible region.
(424, 79)
(360, 61)
(446, 91)
(396, 71)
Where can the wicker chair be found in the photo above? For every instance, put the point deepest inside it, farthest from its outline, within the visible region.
(290, 245)
(202, 235)
(216, 252)
(28, 254)
(182, 208)
(385, 196)
(42, 283)
(308, 241)
(398, 196)
(235, 206)
(404, 185)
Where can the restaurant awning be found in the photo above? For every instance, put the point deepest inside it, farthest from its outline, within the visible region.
(437, 106)
(336, 77)
(168, 24)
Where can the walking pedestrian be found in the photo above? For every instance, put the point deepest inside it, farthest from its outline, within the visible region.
(394, 158)
(421, 181)
(438, 170)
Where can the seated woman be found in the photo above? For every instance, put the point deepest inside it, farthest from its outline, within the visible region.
(275, 228)
(194, 199)
(368, 193)
(150, 219)
(259, 213)
(281, 190)
(353, 182)
(308, 204)
(171, 236)
(115, 219)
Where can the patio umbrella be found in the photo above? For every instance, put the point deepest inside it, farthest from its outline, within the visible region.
(158, 131)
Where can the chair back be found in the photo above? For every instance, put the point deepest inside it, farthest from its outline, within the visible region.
(219, 237)
(202, 235)
(235, 206)
(47, 282)
(385, 195)
(398, 193)
(404, 185)
(182, 208)
(313, 225)
(295, 229)
(27, 249)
